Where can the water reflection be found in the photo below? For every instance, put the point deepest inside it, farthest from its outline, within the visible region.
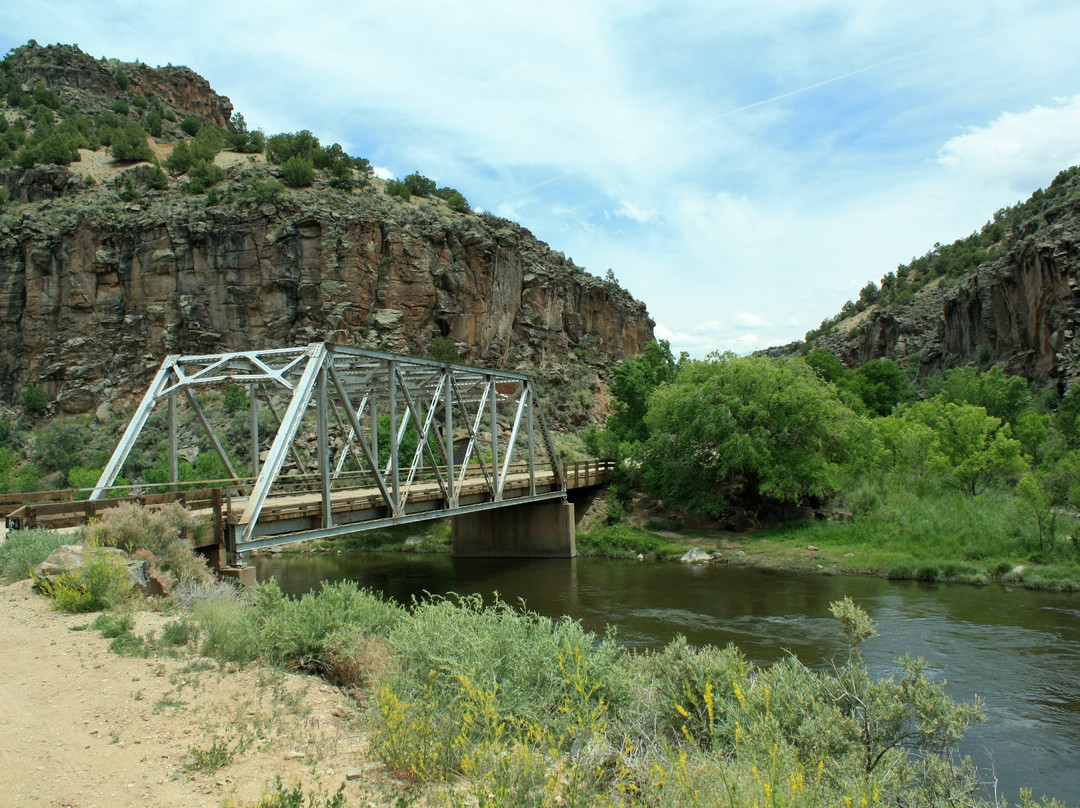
(1016, 650)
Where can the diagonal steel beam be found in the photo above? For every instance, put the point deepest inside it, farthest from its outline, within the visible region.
(290, 423)
(134, 427)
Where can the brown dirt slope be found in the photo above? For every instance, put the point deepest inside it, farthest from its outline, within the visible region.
(83, 726)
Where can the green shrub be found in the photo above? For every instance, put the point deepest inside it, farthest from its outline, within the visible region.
(298, 172)
(454, 199)
(166, 532)
(23, 550)
(129, 145)
(280, 147)
(319, 633)
(122, 79)
(191, 125)
(267, 191)
(35, 400)
(102, 582)
(419, 185)
(206, 173)
(398, 189)
(551, 673)
(120, 107)
(156, 179)
(293, 797)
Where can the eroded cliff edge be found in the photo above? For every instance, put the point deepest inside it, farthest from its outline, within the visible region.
(94, 292)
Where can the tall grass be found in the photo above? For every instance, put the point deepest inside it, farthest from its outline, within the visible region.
(320, 633)
(22, 550)
(916, 532)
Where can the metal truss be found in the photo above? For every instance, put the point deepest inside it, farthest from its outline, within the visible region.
(424, 438)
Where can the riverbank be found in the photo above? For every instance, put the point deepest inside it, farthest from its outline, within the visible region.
(82, 725)
(812, 547)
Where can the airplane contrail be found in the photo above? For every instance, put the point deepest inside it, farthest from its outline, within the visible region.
(801, 90)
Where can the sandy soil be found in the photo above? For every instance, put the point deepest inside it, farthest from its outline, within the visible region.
(100, 165)
(83, 726)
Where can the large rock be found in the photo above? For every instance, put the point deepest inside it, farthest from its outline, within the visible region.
(695, 555)
(72, 557)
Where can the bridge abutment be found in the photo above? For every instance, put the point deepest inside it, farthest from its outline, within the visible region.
(528, 530)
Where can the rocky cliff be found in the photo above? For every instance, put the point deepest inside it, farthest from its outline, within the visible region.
(1019, 308)
(102, 276)
(93, 294)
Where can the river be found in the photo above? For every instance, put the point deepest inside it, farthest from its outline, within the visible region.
(1018, 651)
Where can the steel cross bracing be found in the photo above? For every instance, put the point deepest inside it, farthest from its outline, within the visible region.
(363, 439)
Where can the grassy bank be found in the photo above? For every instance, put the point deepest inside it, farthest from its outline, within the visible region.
(902, 534)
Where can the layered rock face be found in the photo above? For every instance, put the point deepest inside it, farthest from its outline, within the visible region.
(1021, 312)
(94, 294)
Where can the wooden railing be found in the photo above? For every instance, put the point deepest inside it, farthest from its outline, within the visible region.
(586, 473)
(56, 509)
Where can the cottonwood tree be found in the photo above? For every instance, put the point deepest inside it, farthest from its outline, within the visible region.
(743, 429)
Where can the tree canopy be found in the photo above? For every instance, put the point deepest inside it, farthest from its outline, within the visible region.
(743, 429)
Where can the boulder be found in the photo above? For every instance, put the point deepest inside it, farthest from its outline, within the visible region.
(695, 555)
(71, 557)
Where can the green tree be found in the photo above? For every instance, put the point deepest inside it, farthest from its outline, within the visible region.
(398, 189)
(1066, 418)
(181, 159)
(419, 185)
(238, 135)
(455, 200)
(156, 179)
(974, 449)
(35, 400)
(129, 145)
(826, 365)
(633, 382)
(298, 172)
(280, 147)
(881, 384)
(731, 429)
(1001, 395)
(153, 123)
(191, 125)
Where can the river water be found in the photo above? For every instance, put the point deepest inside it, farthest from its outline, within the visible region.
(1017, 651)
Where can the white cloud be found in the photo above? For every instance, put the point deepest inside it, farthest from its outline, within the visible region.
(1019, 149)
(382, 172)
(745, 319)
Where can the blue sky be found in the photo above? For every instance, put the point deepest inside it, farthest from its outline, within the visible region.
(742, 167)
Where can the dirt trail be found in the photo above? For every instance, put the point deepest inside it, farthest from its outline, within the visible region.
(83, 726)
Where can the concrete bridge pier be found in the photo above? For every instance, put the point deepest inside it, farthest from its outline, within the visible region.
(528, 530)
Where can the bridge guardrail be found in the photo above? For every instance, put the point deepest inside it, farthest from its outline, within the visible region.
(59, 508)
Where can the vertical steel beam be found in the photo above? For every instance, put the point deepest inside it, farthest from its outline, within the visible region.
(513, 441)
(395, 439)
(174, 450)
(253, 403)
(323, 437)
(448, 407)
(532, 441)
(493, 400)
(195, 405)
(354, 419)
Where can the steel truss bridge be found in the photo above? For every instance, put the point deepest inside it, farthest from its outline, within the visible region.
(339, 439)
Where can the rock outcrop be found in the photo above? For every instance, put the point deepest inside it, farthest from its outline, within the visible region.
(1020, 311)
(93, 294)
(102, 277)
